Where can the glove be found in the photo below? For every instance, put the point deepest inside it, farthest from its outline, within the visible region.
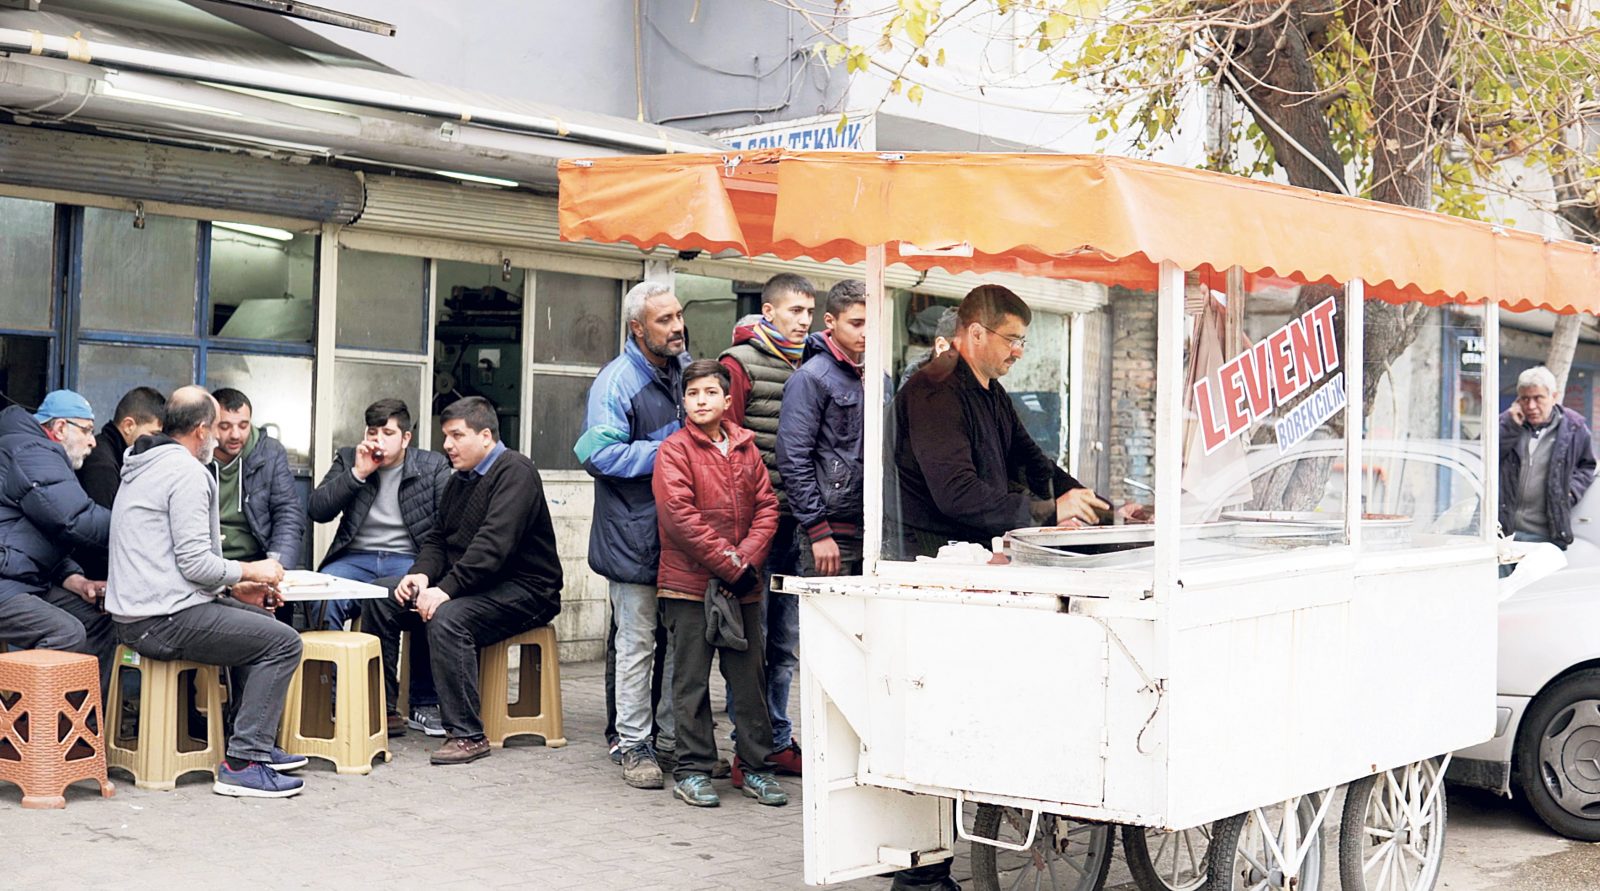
(746, 584)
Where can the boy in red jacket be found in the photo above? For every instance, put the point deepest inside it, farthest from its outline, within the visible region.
(717, 514)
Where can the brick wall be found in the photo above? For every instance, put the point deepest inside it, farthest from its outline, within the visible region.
(1133, 393)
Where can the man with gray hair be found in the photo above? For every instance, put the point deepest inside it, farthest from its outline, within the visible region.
(1546, 461)
(634, 403)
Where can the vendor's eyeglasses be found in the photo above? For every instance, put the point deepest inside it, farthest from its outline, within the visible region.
(1017, 343)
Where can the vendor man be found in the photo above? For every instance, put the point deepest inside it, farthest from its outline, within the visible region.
(959, 447)
(966, 468)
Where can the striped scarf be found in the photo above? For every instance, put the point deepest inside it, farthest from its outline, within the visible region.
(775, 344)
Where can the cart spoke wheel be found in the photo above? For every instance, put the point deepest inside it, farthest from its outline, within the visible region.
(1066, 855)
(1267, 849)
(1392, 835)
(1167, 861)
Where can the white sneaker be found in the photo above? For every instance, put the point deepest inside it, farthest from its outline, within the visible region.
(426, 718)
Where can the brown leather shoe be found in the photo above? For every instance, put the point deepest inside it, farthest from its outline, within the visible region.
(461, 751)
(397, 725)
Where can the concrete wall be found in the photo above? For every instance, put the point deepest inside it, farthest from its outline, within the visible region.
(581, 627)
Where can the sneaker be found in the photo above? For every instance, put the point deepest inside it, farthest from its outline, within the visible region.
(460, 751)
(764, 788)
(426, 718)
(397, 725)
(723, 770)
(614, 745)
(639, 768)
(283, 762)
(786, 760)
(696, 791)
(255, 780)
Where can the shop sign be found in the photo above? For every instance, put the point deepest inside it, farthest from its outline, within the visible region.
(1301, 356)
(822, 133)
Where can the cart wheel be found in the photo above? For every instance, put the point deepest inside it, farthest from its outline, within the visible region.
(1166, 861)
(1253, 851)
(1066, 855)
(1392, 835)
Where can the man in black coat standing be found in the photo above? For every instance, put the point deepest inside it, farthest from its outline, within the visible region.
(1546, 462)
(139, 411)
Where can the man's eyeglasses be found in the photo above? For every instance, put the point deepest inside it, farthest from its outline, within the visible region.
(81, 428)
(1017, 343)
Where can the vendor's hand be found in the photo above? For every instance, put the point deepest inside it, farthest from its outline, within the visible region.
(409, 587)
(825, 554)
(1079, 504)
(1133, 513)
(366, 460)
(268, 572)
(257, 594)
(429, 601)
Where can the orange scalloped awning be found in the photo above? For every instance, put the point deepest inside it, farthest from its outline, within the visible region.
(1086, 217)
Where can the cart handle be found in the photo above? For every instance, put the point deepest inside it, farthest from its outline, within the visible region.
(961, 809)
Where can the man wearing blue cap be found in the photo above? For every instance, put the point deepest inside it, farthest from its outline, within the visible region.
(46, 602)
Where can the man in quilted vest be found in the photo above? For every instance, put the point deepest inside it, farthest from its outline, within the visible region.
(759, 363)
(717, 513)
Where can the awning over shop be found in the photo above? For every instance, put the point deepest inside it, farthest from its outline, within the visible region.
(1092, 218)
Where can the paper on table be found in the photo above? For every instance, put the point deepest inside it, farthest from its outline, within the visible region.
(303, 584)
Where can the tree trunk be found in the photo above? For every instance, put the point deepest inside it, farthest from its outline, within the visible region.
(1563, 344)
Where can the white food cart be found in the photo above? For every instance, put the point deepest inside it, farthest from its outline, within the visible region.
(1307, 610)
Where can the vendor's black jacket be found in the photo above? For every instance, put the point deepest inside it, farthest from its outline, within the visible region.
(44, 513)
(101, 476)
(493, 529)
(957, 450)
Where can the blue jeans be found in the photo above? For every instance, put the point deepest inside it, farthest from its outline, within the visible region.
(369, 566)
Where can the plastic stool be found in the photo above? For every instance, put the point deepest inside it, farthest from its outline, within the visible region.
(351, 730)
(162, 749)
(537, 711)
(50, 721)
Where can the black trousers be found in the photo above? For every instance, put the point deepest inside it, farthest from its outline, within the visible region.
(460, 627)
(58, 619)
(691, 688)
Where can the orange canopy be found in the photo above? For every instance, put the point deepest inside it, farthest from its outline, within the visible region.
(1087, 217)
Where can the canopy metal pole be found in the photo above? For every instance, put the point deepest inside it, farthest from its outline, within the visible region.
(880, 317)
(1169, 424)
(1355, 412)
(1489, 390)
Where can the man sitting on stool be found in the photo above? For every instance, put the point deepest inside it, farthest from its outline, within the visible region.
(486, 571)
(174, 596)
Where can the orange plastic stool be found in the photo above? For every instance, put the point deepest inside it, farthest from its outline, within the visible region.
(50, 720)
(537, 711)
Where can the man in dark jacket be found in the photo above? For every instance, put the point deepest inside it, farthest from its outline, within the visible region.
(385, 495)
(759, 364)
(138, 412)
(46, 601)
(261, 514)
(487, 570)
(959, 443)
(1546, 462)
(635, 403)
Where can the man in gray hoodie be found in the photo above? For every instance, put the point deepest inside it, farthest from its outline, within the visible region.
(174, 596)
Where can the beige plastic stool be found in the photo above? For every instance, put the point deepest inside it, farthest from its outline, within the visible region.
(537, 711)
(162, 749)
(349, 732)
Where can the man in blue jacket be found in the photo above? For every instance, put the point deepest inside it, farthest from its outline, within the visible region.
(385, 494)
(635, 402)
(46, 602)
(261, 514)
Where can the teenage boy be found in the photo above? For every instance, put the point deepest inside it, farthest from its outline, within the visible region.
(759, 363)
(385, 495)
(819, 438)
(717, 514)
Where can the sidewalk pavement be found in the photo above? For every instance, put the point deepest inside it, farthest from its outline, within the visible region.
(525, 817)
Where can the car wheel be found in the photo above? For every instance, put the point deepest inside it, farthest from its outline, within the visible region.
(1557, 755)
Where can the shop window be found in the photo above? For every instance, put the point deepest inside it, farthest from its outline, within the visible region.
(382, 301)
(558, 417)
(478, 340)
(108, 370)
(24, 370)
(578, 320)
(279, 389)
(262, 281)
(138, 279)
(27, 255)
(363, 383)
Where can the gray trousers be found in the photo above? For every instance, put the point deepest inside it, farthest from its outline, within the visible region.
(634, 610)
(59, 620)
(262, 652)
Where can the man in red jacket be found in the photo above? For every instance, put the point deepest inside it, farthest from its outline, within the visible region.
(717, 513)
